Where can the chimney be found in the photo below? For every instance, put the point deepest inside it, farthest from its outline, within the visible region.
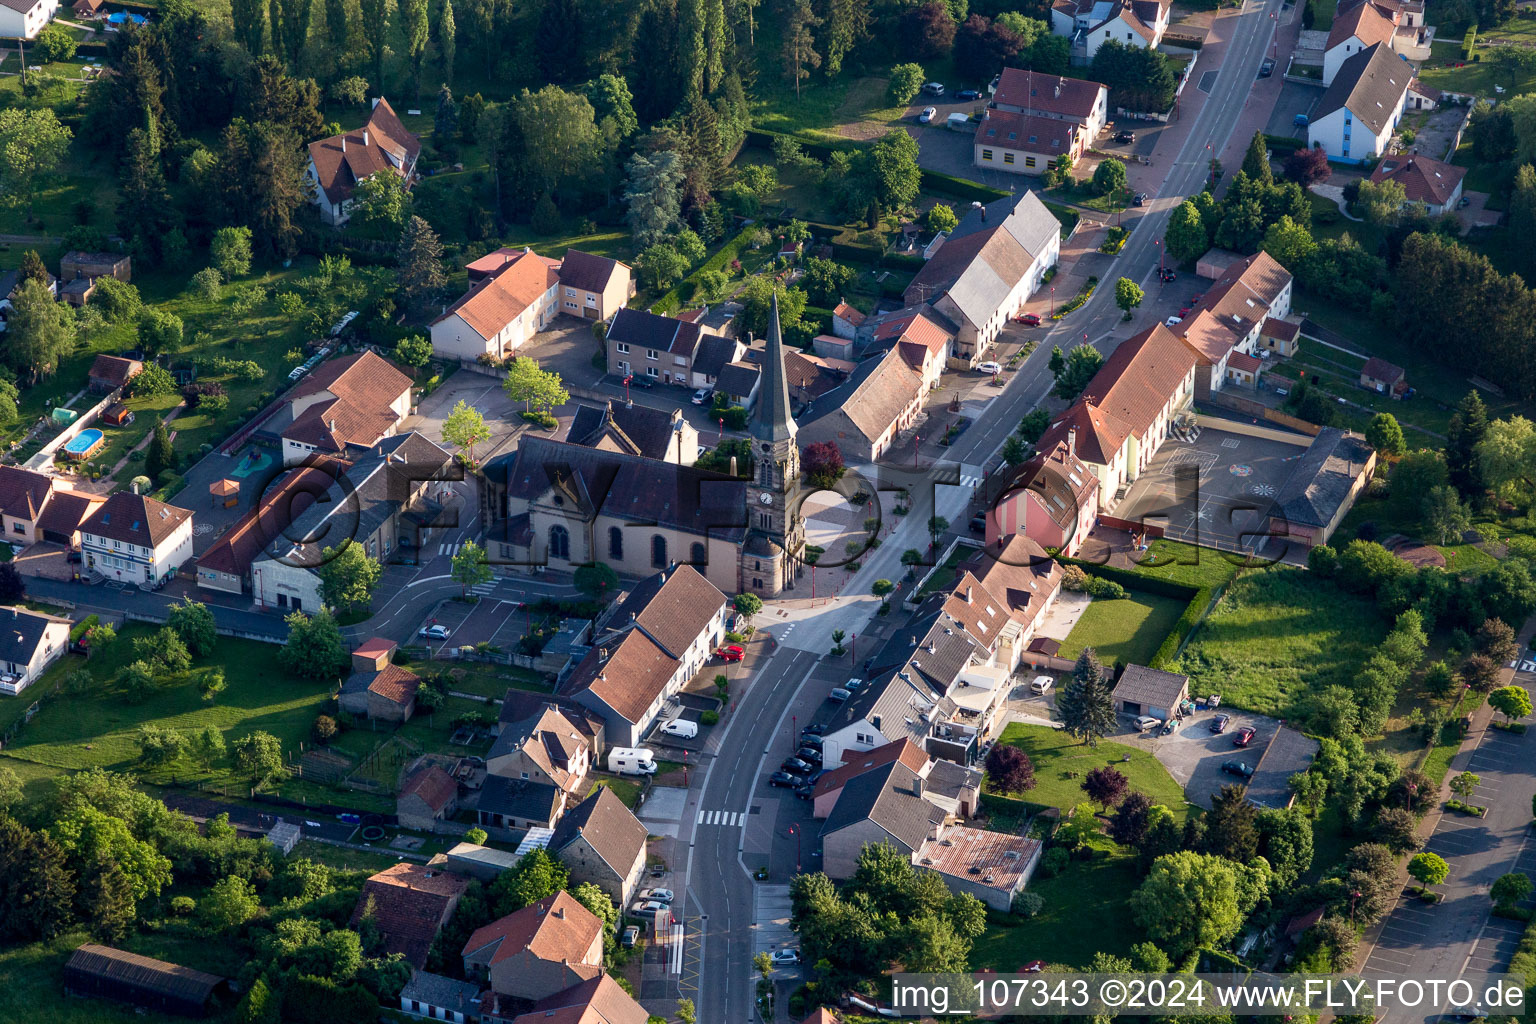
(1072, 442)
(1058, 96)
(560, 913)
(733, 465)
(917, 786)
(343, 142)
(333, 424)
(968, 590)
(365, 127)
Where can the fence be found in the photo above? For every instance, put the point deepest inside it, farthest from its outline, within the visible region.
(916, 595)
(1151, 530)
(1249, 407)
(158, 619)
(44, 457)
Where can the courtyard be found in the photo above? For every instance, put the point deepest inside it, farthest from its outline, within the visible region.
(1215, 490)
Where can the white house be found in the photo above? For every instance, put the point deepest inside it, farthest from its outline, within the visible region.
(436, 997)
(338, 163)
(1090, 23)
(345, 407)
(1224, 334)
(1037, 94)
(29, 643)
(24, 19)
(1355, 118)
(992, 263)
(1425, 180)
(134, 539)
(1355, 31)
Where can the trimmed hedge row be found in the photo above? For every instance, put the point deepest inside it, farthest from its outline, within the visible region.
(1011, 805)
(960, 188)
(1168, 651)
(1524, 962)
(1198, 601)
(1281, 142)
(673, 299)
(1136, 581)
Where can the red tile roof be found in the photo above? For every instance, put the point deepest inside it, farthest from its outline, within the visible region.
(114, 370)
(598, 1000)
(557, 929)
(396, 683)
(66, 510)
(1424, 180)
(1025, 132)
(341, 161)
(1377, 368)
(1368, 23)
(1030, 90)
(281, 504)
(493, 303)
(435, 787)
(23, 493)
(409, 904)
(848, 313)
(857, 762)
(1126, 395)
(376, 647)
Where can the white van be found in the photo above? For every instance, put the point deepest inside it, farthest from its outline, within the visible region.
(632, 761)
(1042, 685)
(681, 728)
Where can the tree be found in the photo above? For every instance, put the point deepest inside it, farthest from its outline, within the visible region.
(930, 30)
(1445, 517)
(653, 194)
(1308, 166)
(413, 350)
(1384, 434)
(160, 456)
(1014, 450)
(1510, 701)
(40, 331)
(1396, 829)
(37, 887)
(231, 251)
(109, 903)
(1289, 242)
(1132, 819)
(260, 756)
(421, 267)
(756, 299)
(1187, 238)
(259, 179)
(823, 463)
(614, 108)
(941, 219)
(1085, 704)
(1468, 426)
(248, 24)
(799, 53)
(447, 42)
(1480, 672)
(163, 650)
(1105, 786)
(13, 586)
(1506, 891)
(1465, 784)
(1382, 201)
(1109, 176)
(1009, 769)
(1188, 900)
(1286, 842)
(891, 171)
(348, 576)
(1077, 369)
(97, 841)
(375, 22)
(208, 746)
(315, 649)
(535, 388)
(194, 623)
(160, 331)
(905, 83)
(159, 745)
(469, 567)
(826, 280)
(1231, 829)
(597, 580)
(1128, 295)
(381, 202)
(229, 903)
(1256, 160)
(32, 142)
(661, 265)
(465, 427)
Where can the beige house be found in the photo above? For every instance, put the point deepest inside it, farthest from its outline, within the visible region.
(130, 538)
(339, 163)
(542, 949)
(1024, 143)
(593, 287)
(883, 806)
(602, 842)
(866, 414)
(344, 407)
(1224, 334)
(661, 348)
(547, 748)
(29, 643)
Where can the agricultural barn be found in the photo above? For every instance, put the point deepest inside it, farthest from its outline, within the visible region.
(102, 972)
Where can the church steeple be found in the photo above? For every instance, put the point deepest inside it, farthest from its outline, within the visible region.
(771, 419)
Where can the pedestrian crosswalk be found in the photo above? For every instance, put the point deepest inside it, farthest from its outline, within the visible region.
(484, 589)
(675, 954)
(725, 819)
(970, 479)
(449, 548)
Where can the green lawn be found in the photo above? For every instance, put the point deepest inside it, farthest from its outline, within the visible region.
(487, 680)
(1479, 77)
(1126, 631)
(1187, 564)
(626, 790)
(1061, 762)
(1277, 635)
(944, 574)
(1323, 12)
(1085, 913)
(99, 728)
(822, 107)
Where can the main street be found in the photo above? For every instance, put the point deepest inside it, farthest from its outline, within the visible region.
(719, 894)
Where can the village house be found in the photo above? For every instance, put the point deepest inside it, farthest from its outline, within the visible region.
(29, 643)
(74, 265)
(1358, 114)
(408, 904)
(1224, 334)
(602, 842)
(378, 688)
(225, 565)
(992, 866)
(1383, 377)
(131, 538)
(509, 806)
(339, 163)
(924, 339)
(1092, 23)
(829, 786)
(884, 805)
(1052, 499)
(428, 797)
(108, 373)
(620, 426)
(1149, 691)
(846, 321)
(649, 345)
(598, 1000)
(343, 407)
(1355, 31)
(1432, 182)
(865, 415)
(435, 997)
(548, 748)
(1065, 99)
(1322, 488)
(24, 19)
(1026, 143)
(542, 949)
(1124, 414)
(714, 354)
(992, 263)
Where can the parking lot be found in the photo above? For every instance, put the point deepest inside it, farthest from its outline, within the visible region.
(1194, 755)
(1238, 478)
(1295, 98)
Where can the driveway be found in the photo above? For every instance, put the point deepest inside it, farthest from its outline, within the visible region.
(1194, 755)
(1295, 98)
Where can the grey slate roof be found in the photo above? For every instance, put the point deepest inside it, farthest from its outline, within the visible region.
(737, 379)
(771, 420)
(1369, 85)
(1322, 479)
(607, 825)
(884, 796)
(950, 779)
(648, 430)
(518, 798)
(1151, 687)
(1288, 753)
(713, 353)
(436, 990)
(640, 329)
(587, 272)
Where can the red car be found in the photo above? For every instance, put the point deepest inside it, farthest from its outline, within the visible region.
(1027, 319)
(1195, 299)
(1243, 738)
(730, 653)
(1184, 311)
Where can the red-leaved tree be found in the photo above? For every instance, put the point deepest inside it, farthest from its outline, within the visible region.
(1009, 769)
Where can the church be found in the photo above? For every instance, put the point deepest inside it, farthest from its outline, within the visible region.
(563, 504)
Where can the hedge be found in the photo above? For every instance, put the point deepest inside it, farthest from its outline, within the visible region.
(1199, 600)
(1168, 651)
(1468, 41)
(83, 627)
(719, 261)
(1282, 142)
(1136, 581)
(1011, 805)
(1524, 962)
(1184, 42)
(960, 188)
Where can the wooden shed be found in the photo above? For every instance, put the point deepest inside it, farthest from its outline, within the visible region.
(102, 972)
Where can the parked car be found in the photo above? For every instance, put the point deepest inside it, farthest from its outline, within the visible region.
(794, 764)
(810, 755)
(433, 632)
(1028, 319)
(978, 523)
(1219, 723)
(1167, 275)
(784, 957)
(928, 114)
(1299, 121)
(631, 936)
(806, 790)
(1244, 736)
(967, 95)
(1194, 300)
(681, 728)
(659, 895)
(1173, 321)
(1145, 722)
(838, 695)
(731, 652)
(1140, 199)
(810, 739)
(1169, 726)
(990, 367)
(1125, 136)
(933, 89)
(1041, 685)
(812, 730)
(784, 779)
(641, 382)
(647, 907)
(701, 396)
(1237, 768)
(1267, 68)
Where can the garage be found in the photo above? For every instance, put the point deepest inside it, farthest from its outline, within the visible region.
(1150, 691)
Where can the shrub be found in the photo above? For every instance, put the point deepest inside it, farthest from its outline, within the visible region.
(1054, 862)
(1028, 904)
(709, 717)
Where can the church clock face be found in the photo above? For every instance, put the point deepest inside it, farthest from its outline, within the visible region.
(765, 498)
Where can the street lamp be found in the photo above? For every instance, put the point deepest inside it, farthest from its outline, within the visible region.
(794, 830)
(916, 440)
(1053, 302)
(1159, 244)
(627, 378)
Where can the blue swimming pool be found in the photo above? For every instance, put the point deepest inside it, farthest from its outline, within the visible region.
(84, 444)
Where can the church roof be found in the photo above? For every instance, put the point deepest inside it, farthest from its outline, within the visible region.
(771, 419)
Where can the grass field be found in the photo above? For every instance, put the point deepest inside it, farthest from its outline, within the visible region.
(1126, 631)
(1085, 913)
(822, 108)
(1278, 635)
(1061, 762)
(1187, 564)
(99, 728)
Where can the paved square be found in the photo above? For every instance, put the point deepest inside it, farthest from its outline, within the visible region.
(1215, 490)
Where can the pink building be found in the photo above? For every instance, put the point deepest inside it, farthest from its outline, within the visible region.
(1052, 499)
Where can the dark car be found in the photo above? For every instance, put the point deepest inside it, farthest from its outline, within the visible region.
(810, 755)
(978, 523)
(810, 739)
(812, 730)
(1267, 68)
(641, 382)
(1219, 723)
(1141, 199)
(794, 764)
(1244, 736)
(1168, 275)
(806, 791)
(784, 779)
(1237, 768)
(1125, 136)
(966, 95)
